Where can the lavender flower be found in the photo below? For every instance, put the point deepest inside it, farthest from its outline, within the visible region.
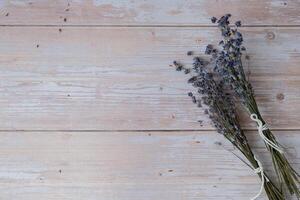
(221, 110)
(228, 64)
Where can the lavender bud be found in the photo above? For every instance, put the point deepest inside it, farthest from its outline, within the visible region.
(193, 79)
(194, 99)
(189, 53)
(179, 68)
(213, 19)
(190, 94)
(238, 23)
(208, 49)
(186, 71)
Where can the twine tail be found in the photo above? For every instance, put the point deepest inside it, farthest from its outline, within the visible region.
(263, 178)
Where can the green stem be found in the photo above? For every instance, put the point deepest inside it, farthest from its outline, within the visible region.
(285, 172)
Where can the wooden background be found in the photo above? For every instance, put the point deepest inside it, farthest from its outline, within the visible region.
(91, 109)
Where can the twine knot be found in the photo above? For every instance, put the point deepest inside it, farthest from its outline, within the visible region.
(260, 170)
(262, 127)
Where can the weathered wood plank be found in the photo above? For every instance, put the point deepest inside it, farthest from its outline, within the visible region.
(149, 12)
(129, 165)
(120, 79)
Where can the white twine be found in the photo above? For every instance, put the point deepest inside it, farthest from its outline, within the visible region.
(261, 127)
(260, 170)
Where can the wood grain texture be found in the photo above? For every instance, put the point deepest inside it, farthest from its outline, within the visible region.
(103, 66)
(120, 79)
(148, 12)
(129, 165)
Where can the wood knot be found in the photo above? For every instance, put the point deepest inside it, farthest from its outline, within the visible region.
(270, 35)
(280, 96)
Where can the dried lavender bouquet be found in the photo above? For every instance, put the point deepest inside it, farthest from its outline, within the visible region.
(228, 64)
(221, 110)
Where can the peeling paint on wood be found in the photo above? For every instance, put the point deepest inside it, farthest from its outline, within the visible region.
(149, 12)
(107, 65)
(129, 165)
(92, 78)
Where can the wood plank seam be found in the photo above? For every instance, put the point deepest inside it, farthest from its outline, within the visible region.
(144, 26)
(128, 130)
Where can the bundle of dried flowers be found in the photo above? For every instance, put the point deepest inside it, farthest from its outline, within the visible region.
(221, 110)
(228, 64)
